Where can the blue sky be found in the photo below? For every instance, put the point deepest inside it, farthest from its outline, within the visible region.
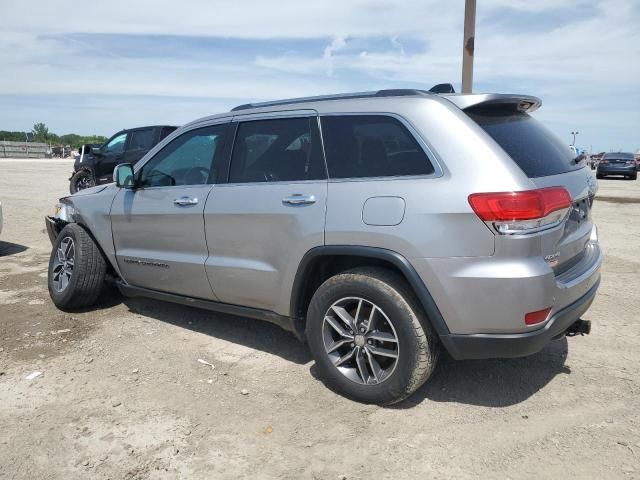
(88, 68)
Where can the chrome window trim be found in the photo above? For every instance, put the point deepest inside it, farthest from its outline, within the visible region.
(279, 182)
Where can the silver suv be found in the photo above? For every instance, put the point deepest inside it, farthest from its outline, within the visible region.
(380, 227)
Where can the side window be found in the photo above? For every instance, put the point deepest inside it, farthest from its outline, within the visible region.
(116, 144)
(277, 150)
(166, 131)
(358, 146)
(186, 160)
(141, 139)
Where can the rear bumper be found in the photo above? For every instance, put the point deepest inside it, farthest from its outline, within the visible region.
(626, 170)
(477, 346)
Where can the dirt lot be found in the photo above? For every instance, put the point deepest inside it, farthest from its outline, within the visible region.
(122, 394)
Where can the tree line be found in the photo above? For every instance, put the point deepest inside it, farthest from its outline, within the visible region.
(40, 133)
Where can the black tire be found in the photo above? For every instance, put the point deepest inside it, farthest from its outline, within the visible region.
(599, 177)
(86, 279)
(634, 176)
(417, 344)
(81, 179)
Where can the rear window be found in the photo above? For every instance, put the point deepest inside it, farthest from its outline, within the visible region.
(537, 151)
(618, 156)
(166, 131)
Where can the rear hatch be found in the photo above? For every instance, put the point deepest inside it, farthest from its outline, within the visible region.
(548, 162)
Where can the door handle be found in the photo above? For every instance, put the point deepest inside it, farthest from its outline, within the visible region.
(184, 201)
(299, 199)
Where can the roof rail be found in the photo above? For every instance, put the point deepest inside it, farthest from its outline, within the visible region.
(396, 92)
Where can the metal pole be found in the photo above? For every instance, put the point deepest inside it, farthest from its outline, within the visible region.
(468, 45)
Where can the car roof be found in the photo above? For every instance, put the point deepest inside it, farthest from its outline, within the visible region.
(383, 99)
(149, 126)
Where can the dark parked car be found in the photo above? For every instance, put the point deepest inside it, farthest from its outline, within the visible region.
(617, 163)
(95, 166)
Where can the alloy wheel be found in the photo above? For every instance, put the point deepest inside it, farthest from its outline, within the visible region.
(360, 340)
(63, 264)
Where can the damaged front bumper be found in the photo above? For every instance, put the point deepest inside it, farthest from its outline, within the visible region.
(54, 226)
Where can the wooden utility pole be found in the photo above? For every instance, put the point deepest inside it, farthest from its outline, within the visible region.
(467, 46)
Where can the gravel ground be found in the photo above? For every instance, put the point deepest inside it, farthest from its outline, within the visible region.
(122, 394)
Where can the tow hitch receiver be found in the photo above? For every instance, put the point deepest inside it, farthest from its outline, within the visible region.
(579, 327)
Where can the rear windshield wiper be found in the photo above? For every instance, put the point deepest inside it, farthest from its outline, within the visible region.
(579, 158)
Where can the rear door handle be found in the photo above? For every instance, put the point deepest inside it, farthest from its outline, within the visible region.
(299, 199)
(184, 201)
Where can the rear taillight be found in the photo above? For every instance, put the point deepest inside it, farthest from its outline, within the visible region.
(522, 212)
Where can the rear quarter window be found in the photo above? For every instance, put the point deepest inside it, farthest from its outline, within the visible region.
(536, 150)
(142, 139)
(366, 146)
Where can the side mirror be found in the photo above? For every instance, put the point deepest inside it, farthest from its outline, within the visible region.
(123, 176)
(96, 150)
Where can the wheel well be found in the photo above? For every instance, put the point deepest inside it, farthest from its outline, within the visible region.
(323, 262)
(110, 270)
(84, 169)
(324, 267)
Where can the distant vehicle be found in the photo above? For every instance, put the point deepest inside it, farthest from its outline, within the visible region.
(595, 159)
(60, 151)
(96, 166)
(617, 163)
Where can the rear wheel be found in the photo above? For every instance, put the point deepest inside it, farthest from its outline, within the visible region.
(76, 269)
(634, 176)
(599, 176)
(369, 338)
(81, 180)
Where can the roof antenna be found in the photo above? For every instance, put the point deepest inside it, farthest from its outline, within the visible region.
(442, 88)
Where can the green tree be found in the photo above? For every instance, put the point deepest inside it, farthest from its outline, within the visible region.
(40, 132)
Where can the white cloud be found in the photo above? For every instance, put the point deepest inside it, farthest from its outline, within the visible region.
(336, 44)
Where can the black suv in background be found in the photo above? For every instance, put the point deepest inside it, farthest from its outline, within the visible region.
(95, 166)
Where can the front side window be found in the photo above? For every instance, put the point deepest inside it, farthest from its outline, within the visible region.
(189, 159)
(277, 150)
(141, 139)
(116, 144)
(358, 146)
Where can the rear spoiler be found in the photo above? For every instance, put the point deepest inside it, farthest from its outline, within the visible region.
(522, 103)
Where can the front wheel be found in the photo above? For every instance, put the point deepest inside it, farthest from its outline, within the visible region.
(369, 338)
(81, 179)
(77, 269)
